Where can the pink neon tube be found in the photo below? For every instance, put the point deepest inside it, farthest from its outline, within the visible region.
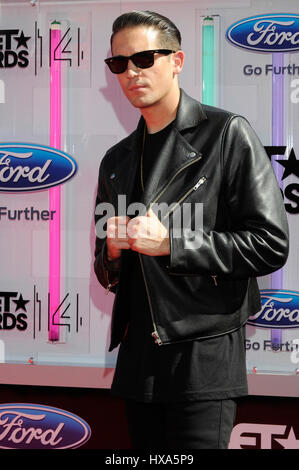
(54, 193)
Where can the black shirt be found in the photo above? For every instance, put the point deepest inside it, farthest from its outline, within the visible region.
(207, 369)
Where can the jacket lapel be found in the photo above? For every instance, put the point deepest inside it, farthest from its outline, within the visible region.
(177, 153)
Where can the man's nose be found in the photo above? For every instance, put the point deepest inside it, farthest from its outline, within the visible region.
(132, 69)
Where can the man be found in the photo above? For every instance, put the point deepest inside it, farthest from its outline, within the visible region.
(182, 297)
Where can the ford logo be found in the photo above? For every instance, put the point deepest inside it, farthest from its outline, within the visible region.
(280, 309)
(27, 426)
(30, 167)
(278, 32)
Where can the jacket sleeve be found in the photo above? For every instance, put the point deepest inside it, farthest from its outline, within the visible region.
(106, 271)
(256, 242)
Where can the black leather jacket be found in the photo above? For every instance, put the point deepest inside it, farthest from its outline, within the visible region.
(215, 158)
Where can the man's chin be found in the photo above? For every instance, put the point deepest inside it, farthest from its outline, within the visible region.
(140, 104)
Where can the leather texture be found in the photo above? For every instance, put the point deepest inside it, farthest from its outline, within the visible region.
(207, 291)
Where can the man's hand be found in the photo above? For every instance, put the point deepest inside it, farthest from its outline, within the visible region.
(148, 236)
(117, 238)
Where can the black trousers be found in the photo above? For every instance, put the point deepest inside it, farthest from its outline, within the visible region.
(186, 425)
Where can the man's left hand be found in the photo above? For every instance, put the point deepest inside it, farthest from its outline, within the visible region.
(148, 236)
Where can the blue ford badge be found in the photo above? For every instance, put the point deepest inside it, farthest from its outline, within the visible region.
(30, 167)
(280, 309)
(27, 426)
(278, 32)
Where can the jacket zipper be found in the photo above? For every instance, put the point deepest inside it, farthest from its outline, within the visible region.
(109, 284)
(199, 183)
(171, 180)
(204, 337)
(155, 333)
(109, 287)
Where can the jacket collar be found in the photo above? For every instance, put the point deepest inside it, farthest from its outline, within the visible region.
(190, 113)
(176, 152)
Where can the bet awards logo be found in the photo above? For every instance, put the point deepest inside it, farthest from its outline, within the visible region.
(291, 167)
(19, 311)
(19, 48)
(13, 48)
(264, 436)
(13, 311)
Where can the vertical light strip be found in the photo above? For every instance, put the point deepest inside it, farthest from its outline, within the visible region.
(208, 93)
(2, 92)
(54, 193)
(277, 140)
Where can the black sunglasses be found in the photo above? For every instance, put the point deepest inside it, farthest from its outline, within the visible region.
(142, 60)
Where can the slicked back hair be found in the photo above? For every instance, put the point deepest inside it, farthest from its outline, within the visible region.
(169, 37)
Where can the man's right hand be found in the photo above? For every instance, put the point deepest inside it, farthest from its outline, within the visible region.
(117, 238)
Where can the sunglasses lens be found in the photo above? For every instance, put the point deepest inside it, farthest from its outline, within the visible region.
(117, 64)
(143, 60)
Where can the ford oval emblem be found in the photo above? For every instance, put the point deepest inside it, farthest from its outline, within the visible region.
(31, 167)
(278, 32)
(27, 426)
(280, 309)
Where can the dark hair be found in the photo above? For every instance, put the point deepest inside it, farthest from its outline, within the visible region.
(170, 36)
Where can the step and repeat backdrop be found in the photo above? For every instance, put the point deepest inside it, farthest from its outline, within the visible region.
(60, 110)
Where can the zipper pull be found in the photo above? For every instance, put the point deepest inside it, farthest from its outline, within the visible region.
(199, 183)
(156, 337)
(108, 289)
(215, 279)
(110, 285)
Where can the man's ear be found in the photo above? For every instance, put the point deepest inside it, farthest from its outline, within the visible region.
(178, 60)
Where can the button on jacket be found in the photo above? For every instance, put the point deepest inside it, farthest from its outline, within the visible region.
(207, 285)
